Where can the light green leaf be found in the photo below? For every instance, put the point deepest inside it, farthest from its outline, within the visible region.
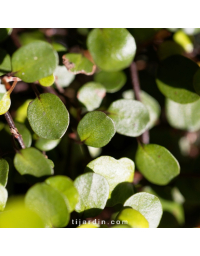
(91, 95)
(133, 218)
(5, 103)
(175, 79)
(48, 116)
(46, 145)
(112, 81)
(96, 129)
(148, 205)
(63, 76)
(59, 47)
(47, 81)
(94, 191)
(112, 49)
(32, 161)
(5, 62)
(67, 189)
(183, 40)
(3, 197)
(4, 169)
(131, 117)
(183, 116)
(34, 61)
(21, 112)
(49, 204)
(78, 64)
(157, 164)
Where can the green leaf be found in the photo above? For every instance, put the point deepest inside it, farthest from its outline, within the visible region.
(94, 191)
(4, 169)
(96, 129)
(48, 203)
(112, 49)
(76, 63)
(58, 47)
(48, 116)
(5, 103)
(157, 164)
(4, 32)
(32, 161)
(183, 40)
(183, 116)
(131, 117)
(67, 189)
(5, 62)
(21, 112)
(114, 171)
(175, 79)
(133, 218)
(47, 81)
(63, 76)
(169, 48)
(46, 145)
(112, 81)
(148, 205)
(34, 61)
(3, 197)
(31, 36)
(91, 95)
(26, 135)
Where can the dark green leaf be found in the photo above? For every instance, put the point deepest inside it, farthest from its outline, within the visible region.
(4, 169)
(5, 62)
(169, 48)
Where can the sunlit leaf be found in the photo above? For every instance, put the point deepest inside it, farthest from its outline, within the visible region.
(47, 81)
(5, 103)
(183, 40)
(3, 197)
(4, 169)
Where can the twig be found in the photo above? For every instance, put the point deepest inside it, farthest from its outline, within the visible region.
(136, 88)
(14, 130)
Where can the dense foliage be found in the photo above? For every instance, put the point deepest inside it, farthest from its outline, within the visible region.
(99, 128)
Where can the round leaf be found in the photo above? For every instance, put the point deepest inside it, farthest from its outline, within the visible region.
(47, 81)
(34, 61)
(33, 162)
(48, 203)
(66, 187)
(5, 62)
(48, 116)
(63, 76)
(4, 169)
(112, 81)
(148, 205)
(157, 164)
(5, 103)
(96, 129)
(131, 117)
(91, 95)
(46, 145)
(175, 79)
(3, 197)
(26, 135)
(94, 191)
(112, 49)
(133, 218)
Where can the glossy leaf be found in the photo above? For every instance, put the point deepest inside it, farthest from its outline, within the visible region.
(175, 79)
(66, 187)
(46, 145)
(48, 116)
(183, 116)
(34, 61)
(3, 197)
(156, 163)
(131, 117)
(63, 76)
(47, 81)
(48, 203)
(96, 129)
(112, 81)
(78, 64)
(4, 169)
(112, 49)
(94, 191)
(133, 218)
(5, 62)
(91, 95)
(32, 161)
(148, 205)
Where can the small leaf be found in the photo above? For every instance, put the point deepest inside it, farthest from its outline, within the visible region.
(48, 116)
(112, 81)
(46, 145)
(66, 187)
(31, 161)
(21, 112)
(148, 205)
(114, 171)
(63, 76)
(49, 204)
(175, 79)
(47, 81)
(94, 191)
(5, 103)
(3, 197)
(96, 129)
(91, 95)
(112, 49)
(131, 117)
(78, 64)
(157, 164)
(5, 62)
(133, 218)
(4, 169)
(34, 61)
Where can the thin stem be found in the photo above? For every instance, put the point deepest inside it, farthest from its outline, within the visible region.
(144, 138)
